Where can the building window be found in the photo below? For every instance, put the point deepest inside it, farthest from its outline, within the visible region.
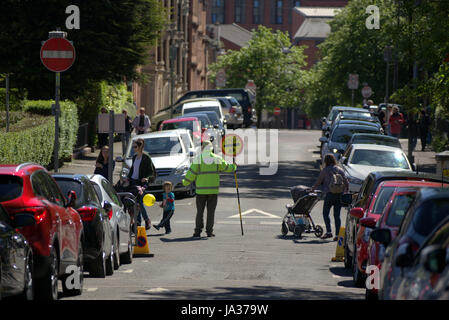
(239, 12)
(279, 4)
(218, 11)
(256, 12)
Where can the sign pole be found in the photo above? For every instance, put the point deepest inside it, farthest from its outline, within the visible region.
(7, 102)
(352, 98)
(56, 111)
(234, 148)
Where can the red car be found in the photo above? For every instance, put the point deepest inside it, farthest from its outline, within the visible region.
(56, 237)
(368, 219)
(190, 123)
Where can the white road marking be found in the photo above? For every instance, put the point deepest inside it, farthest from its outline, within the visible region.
(231, 222)
(157, 290)
(336, 277)
(184, 204)
(91, 289)
(263, 214)
(316, 156)
(127, 271)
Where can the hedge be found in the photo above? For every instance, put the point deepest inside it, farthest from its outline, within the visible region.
(16, 99)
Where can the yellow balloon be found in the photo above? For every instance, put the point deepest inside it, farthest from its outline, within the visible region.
(149, 200)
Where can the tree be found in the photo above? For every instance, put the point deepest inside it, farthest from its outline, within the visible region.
(113, 39)
(279, 77)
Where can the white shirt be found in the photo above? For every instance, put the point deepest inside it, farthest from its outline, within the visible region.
(137, 162)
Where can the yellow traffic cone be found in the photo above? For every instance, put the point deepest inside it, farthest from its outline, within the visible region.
(141, 247)
(340, 251)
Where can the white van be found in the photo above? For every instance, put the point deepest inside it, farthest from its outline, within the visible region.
(204, 105)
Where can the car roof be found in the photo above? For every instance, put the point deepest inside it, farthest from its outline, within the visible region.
(378, 147)
(355, 126)
(204, 103)
(72, 176)
(155, 134)
(17, 169)
(198, 99)
(346, 108)
(426, 194)
(355, 121)
(382, 136)
(181, 119)
(409, 183)
(391, 175)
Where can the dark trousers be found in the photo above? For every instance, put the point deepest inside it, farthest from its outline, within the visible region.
(332, 200)
(423, 136)
(203, 201)
(165, 222)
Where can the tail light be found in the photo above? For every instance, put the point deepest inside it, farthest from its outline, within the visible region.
(232, 110)
(110, 214)
(87, 213)
(39, 213)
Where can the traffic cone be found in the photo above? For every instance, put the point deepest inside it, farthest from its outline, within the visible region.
(141, 247)
(340, 251)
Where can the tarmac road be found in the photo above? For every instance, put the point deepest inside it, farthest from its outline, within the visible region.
(259, 265)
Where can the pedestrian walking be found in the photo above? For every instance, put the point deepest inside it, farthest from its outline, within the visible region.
(413, 129)
(396, 120)
(128, 130)
(204, 171)
(103, 138)
(333, 184)
(141, 173)
(168, 205)
(383, 120)
(424, 123)
(141, 122)
(102, 163)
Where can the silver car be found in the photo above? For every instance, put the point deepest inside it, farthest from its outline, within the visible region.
(119, 219)
(171, 158)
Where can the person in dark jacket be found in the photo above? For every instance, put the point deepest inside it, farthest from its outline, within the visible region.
(128, 130)
(413, 124)
(102, 163)
(424, 123)
(141, 173)
(331, 199)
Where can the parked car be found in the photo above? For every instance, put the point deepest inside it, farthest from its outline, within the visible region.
(16, 257)
(340, 120)
(215, 132)
(170, 157)
(190, 107)
(56, 237)
(340, 136)
(232, 111)
(361, 159)
(97, 244)
(245, 98)
(216, 123)
(352, 115)
(120, 220)
(379, 139)
(391, 218)
(430, 207)
(365, 201)
(190, 123)
(333, 113)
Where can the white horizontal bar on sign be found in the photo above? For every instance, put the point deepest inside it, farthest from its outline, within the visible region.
(55, 54)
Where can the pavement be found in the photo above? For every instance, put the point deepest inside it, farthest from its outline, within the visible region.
(425, 160)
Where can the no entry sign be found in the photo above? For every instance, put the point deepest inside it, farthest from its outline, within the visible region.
(277, 111)
(57, 54)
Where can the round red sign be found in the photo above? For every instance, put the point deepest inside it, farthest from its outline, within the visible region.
(57, 54)
(277, 111)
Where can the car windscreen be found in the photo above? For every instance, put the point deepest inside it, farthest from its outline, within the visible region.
(356, 115)
(161, 146)
(67, 185)
(429, 215)
(379, 140)
(213, 118)
(382, 199)
(10, 187)
(379, 158)
(399, 207)
(344, 134)
(178, 125)
(216, 109)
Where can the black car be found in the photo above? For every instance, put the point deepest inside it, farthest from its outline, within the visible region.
(379, 139)
(430, 207)
(333, 114)
(16, 257)
(364, 198)
(243, 96)
(428, 275)
(97, 242)
(356, 122)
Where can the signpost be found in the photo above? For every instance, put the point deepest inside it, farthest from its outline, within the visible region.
(353, 84)
(277, 111)
(366, 91)
(57, 55)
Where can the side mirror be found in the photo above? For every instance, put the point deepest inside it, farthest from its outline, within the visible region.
(107, 206)
(192, 154)
(23, 220)
(368, 222)
(404, 257)
(119, 159)
(433, 258)
(346, 199)
(343, 160)
(71, 198)
(323, 139)
(381, 235)
(356, 213)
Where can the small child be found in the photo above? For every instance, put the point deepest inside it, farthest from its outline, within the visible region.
(168, 204)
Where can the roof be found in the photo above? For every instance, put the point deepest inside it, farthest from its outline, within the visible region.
(320, 12)
(233, 33)
(380, 136)
(391, 175)
(346, 108)
(378, 147)
(356, 126)
(409, 184)
(315, 25)
(205, 103)
(180, 119)
(426, 194)
(155, 134)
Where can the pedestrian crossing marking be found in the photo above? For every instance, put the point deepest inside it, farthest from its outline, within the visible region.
(263, 214)
(127, 271)
(157, 290)
(91, 289)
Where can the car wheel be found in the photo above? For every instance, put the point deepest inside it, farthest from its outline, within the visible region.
(98, 267)
(28, 290)
(348, 258)
(116, 252)
(110, 263)
(127, 257)
(80, 266)
(47, 287)
(357, 276)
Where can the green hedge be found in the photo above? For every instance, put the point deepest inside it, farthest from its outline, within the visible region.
(34, 144)
(68, 122)
(16, 99)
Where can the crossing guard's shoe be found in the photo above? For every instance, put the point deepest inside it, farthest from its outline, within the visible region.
(196, 235)
(210, 235)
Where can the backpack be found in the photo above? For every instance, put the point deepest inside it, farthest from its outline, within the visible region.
(336, 185)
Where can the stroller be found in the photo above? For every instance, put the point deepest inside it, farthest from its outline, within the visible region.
(298, 219)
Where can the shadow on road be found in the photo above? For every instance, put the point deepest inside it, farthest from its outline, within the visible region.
(248, 293)
(185, 239)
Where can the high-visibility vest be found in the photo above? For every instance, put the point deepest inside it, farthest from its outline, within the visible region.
(205, 170)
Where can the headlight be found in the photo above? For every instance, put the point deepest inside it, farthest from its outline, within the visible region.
(181, 170)
(355, 180)
(124, 172)
(334, 150)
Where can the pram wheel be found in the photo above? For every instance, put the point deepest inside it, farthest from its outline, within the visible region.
(299, 229)
(318, 231)
(284, 229)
